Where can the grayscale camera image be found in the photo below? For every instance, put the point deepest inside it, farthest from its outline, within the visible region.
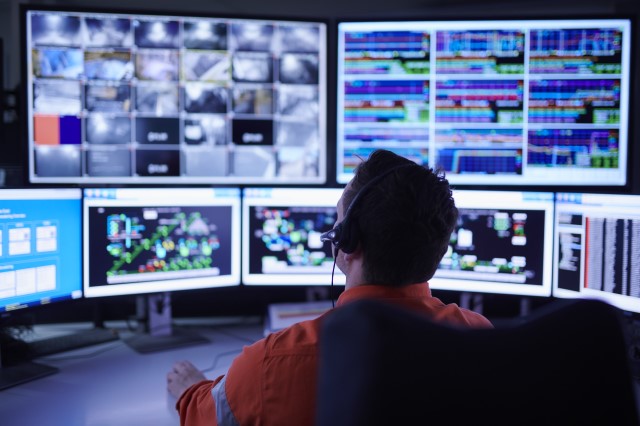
(103, 129)
(297, 133)
(157, 98)
(253, 161)
(158, 65)
(297, 162)
(298, 68)
(108, 32)
(249, 100)
(157, 34)
(201, 98)
(55, 29)
(107, 98)
(205, 35)
(299, 101)
(252, 67)
(58, 63)
(57, 97)
(108, 162)
(205, 66)
(206, 162)
(108, 65)
(205, 130)
(299, 39)
(252, 36)
(59, 161)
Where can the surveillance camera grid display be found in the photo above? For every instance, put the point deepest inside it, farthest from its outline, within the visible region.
(158, 92)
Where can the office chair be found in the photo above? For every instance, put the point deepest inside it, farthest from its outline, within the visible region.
(565, 365)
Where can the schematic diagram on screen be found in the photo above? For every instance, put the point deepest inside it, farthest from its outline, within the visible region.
(151, 243)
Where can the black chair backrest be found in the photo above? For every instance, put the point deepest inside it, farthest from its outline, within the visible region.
(566, 365)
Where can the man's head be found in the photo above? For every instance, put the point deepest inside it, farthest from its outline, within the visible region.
(401, 224)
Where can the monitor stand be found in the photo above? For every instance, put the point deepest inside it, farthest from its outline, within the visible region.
(14, 372)
(155, 329)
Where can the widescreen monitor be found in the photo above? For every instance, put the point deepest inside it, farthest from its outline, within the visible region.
(40, 247)
(597, 248)
(152, 240)
(502, 243)
(116, 97)
(492, 102)
(281, 236)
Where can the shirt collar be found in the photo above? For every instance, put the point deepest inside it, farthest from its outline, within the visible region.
(419, 290)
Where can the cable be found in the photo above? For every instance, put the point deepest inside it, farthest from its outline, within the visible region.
(217, 358)
(333, 270)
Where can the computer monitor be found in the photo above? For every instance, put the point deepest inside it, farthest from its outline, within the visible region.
(281, 230)
(113, 97)
(40, 247)
(40, 264)
(597, 248)
(492, 102)
(153, 240)
(502, 243)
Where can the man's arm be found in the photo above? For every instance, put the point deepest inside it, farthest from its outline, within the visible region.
(196, 405)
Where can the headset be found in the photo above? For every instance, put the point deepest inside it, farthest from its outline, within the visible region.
(345, 236)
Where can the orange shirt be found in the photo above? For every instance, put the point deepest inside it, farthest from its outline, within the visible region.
(273, 381)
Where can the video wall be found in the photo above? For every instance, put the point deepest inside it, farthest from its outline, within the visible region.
(128, 98)
(199, 145)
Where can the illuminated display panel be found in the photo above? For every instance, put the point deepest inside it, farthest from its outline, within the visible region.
(129, 98)
(531, 102)
(597, 248)
(281, 235)
(150, 240)
(40, 247)
(502, 243)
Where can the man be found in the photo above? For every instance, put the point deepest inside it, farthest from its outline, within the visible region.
(393, 226)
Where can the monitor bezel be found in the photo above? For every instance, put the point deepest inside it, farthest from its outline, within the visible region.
(289, 279)
(325, 123)
(164, 285)
(480, 199)
(631, 180)
(620, 301)
(74, 194)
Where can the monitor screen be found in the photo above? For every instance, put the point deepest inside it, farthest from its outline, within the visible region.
(597, 248)
(281, 235)
(148, 240)
(503, 102)
(129, 98)
(40, 247)
(502, 243)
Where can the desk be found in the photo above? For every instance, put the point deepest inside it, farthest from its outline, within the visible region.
(111, 384)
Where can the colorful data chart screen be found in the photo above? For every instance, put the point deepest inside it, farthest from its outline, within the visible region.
(535, 102)
(154, 240)
(501, 244)
(132, 98)
(40, 247)
(281, 235)
(597, 248)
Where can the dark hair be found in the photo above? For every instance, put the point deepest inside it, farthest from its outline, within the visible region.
(404, 221)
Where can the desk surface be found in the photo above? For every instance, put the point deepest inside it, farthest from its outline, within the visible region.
(112, 384)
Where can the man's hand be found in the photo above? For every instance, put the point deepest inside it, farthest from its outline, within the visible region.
(182, 376)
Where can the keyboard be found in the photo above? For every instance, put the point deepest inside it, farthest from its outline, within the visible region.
(67, 342)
